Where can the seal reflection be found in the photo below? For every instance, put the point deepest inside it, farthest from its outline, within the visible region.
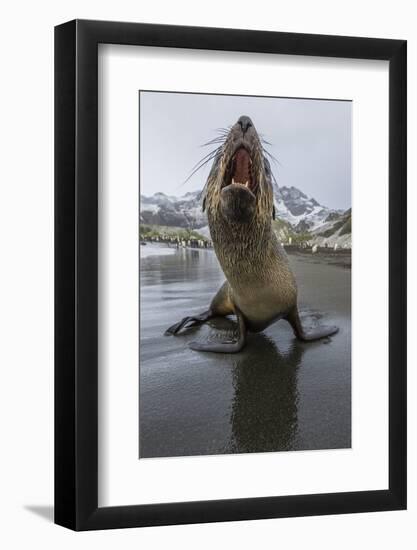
(264, 407)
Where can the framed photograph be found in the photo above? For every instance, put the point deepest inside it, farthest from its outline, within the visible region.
(230, 252)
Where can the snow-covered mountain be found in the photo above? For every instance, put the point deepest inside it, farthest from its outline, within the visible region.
(336, 230)
(161, 209)
(300, 213)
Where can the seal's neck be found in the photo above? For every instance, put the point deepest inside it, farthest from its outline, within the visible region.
(241, 248)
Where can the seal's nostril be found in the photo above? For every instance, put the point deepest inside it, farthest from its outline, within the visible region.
(245, 123)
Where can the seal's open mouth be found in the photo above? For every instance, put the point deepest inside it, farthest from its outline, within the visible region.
(239, 170)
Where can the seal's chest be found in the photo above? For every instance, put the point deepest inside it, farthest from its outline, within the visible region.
(261, 305)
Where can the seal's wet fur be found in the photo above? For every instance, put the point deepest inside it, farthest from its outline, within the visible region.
(260, 287)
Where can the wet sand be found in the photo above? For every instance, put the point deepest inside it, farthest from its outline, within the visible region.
(278, 394)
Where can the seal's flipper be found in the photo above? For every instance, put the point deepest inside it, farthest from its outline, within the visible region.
(318, 333)
(309, 335)
(219, 347)
(189, 322)
(224, 347)
(220, 307)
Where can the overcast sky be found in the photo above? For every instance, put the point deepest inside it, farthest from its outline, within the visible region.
(310, 138)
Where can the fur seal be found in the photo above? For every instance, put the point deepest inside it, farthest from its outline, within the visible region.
(260, 287)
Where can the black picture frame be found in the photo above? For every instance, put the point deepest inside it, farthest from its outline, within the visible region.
(76, 272)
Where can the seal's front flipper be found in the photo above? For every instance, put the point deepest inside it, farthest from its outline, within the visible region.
(189, 322)
(224, 347)
(318, 333)
(309, 335)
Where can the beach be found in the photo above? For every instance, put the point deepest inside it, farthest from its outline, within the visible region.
(278, 394)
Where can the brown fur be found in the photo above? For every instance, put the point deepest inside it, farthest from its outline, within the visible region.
(259, 278)
(260, 287)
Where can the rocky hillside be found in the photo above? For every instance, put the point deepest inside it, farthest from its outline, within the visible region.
(302, 212)
(161, 209)
(336, 230)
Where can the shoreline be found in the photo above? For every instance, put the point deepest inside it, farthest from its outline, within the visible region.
(277, 394)
(340, 257)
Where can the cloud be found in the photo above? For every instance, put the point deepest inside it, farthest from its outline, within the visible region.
(310, 138)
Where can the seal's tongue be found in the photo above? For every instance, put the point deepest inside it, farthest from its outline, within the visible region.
(242, 167)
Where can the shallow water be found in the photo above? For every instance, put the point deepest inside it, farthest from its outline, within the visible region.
(278, 394)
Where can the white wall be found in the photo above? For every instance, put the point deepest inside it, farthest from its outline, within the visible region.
(26, 301)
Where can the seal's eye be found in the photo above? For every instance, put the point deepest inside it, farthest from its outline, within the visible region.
(267, 167)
